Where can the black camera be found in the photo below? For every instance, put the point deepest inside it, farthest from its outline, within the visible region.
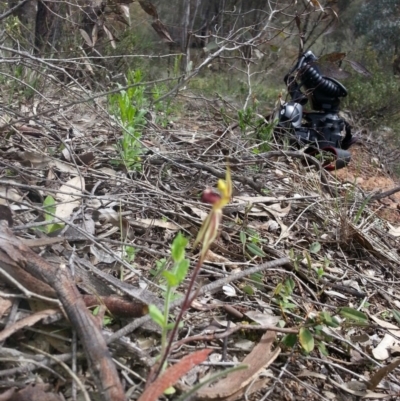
(322, 129)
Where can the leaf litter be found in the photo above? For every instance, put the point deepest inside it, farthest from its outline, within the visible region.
(338, 253)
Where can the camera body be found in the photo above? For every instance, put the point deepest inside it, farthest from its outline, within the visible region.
(322, 129)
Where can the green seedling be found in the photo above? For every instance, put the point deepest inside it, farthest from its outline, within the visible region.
(283, 293)
(173, 278)
(128, 107)
(250, 240)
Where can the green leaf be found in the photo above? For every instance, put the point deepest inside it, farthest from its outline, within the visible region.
(315, 247)
(243, 237)
(182, 269)
(248, 289)
(327, 319)
(51, 228)
(306, 339)
(255, 250)
(353, 314)
(169, 391)
(156, 315)
(287, 305)
(252, 232)
(290, 284)
(396, 315)
(178, 248)
(323, 349)
(49, 205)
(171, 278)
(171, 325)
(289, 340)
(258, 278)
(308, 258)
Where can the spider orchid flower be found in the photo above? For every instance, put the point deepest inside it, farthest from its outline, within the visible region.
(209, 229)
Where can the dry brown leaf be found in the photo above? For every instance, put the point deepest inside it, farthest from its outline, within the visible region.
(162, 31)
(125, 12)
(110, 37)
(85, 36)
(386, 325)
(316, 4)
(347, 387)
(395, 231)
(108, 215)
(264, 319)
(381, 373)
(233, 386)
(173, 374)
(8, 194)
(69, 200)
(382, 350)
(212, 257)
(26, 322)
(34, 392)
(149, 8)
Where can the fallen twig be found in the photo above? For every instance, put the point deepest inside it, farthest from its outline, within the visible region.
(13, 253)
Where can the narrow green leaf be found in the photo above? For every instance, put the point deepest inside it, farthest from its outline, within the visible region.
(156, 315)
(353, 314)
(171, 325)
(290, 284)
(308, 258)
(255, 250)
(306, 339)
(49, 205)
(243, 237)
(323, 349)
(178, 248)
(315, 247)
(252, 232)
(396, 315)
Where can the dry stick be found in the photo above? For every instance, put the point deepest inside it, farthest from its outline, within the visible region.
(15, 254)
(229, 332)
(385, 194)
(207, 288)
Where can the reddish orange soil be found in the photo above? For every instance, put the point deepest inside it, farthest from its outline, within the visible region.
(365, 170)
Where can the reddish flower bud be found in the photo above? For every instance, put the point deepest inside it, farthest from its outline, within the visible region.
(209, 196)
